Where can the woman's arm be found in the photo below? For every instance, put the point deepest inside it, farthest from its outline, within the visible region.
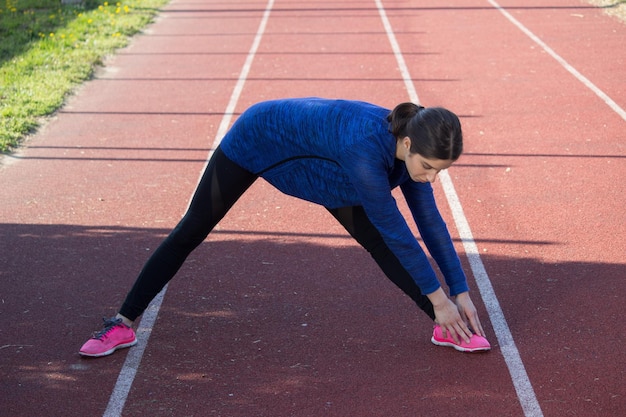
(434, 232)
(368, 173)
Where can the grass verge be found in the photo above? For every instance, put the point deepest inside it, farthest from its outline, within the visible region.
(615, 8)
(48, 48)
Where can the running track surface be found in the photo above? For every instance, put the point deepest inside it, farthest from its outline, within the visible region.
(278, 313)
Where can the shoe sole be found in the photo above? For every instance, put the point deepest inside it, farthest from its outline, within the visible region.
(459, 348)
(110, 351)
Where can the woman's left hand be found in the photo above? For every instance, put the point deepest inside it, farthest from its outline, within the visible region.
(468, 312)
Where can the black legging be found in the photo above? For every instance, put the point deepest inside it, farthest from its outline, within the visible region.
(221, 185)
(363, 231)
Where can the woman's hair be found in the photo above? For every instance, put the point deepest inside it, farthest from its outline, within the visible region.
(435, 132)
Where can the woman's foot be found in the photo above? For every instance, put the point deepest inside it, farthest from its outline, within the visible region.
(477, 343)
(115, 335)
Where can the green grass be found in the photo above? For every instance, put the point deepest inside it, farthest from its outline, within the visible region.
(47, 49)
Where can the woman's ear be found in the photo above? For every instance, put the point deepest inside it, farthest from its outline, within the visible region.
(403, 148)
(406, 142)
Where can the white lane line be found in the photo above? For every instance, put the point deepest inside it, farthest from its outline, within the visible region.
(230, 108)
(521, 382)
(395, 47)
(133, 359)
(610, 102)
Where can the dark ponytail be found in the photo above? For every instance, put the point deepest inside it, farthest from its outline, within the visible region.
(400, 116)
(435, 132)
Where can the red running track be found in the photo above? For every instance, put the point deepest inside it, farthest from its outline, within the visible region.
(279, 313)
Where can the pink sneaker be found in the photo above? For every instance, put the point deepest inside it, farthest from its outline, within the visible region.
(115, 335)
(477, 343)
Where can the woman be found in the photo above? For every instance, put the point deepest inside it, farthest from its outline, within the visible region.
(346, 156)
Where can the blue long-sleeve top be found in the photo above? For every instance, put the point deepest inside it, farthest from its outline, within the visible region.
(340, 153)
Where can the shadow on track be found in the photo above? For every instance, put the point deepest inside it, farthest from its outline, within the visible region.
(278, 325)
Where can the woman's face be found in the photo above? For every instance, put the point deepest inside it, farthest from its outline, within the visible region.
(420, 169)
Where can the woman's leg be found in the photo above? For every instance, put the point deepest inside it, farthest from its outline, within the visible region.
(222, 183)
(360, 228)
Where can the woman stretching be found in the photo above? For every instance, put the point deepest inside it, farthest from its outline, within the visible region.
(347, 156)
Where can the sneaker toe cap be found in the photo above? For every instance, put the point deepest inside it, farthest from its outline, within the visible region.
(92, 347)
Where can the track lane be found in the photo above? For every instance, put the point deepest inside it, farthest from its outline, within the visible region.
(251, 368)
(77, 197)
(538, 182)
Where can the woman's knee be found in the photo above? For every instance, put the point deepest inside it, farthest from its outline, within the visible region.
(190, 231)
